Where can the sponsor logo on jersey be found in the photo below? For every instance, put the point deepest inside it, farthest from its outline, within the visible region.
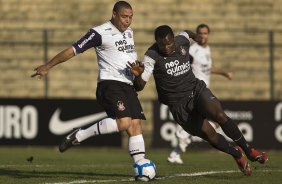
(86, 40)
(174, 68)
(123, 46)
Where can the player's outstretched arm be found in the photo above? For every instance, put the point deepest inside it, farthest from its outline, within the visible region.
(193, 35)
(228, 75)
(63, 56)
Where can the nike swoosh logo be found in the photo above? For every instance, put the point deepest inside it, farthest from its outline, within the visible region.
(60, 127)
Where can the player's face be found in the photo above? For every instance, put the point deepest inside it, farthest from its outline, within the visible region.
(122, 18)
(166, 44)
(204, 34)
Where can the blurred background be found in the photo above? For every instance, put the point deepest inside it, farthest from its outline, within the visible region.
(246, 38)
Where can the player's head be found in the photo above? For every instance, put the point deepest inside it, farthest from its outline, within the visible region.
(122, 15)
(203, 31)
(164, 37)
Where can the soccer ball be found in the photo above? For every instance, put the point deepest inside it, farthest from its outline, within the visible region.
(144, 170)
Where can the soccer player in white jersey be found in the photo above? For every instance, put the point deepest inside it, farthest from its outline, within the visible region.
(114, 45)
(202, 68)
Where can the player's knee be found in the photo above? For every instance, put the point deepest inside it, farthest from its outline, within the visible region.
(124, 124)
(221, 117)
(135, 128)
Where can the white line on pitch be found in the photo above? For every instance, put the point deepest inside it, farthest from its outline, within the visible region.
(158, 178)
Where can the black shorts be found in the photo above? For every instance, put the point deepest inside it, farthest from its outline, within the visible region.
(119, 100)
(191, 112)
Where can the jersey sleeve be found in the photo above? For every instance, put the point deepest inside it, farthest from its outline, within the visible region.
(149, 64)
(192, 50)
(183, 33)
(91, 39)
(183, 39)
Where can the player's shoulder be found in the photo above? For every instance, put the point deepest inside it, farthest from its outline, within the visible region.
(104, 28)
(108, 28)
(181, 40)
(152, 51)
(129, 29)
(194, 46)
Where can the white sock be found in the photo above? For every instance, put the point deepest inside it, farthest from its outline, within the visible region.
(175, 151)
(181, 133)
(105, 126)
(136, 147)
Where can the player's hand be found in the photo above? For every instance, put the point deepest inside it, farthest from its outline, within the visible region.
(229, 75)
(136, 68)
(40, 71)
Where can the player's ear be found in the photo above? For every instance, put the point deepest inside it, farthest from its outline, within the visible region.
(114, 14)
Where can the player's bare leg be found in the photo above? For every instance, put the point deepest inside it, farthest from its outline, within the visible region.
(220, 143)
(211, 108)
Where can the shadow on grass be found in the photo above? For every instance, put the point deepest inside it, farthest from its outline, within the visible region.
(57, 174)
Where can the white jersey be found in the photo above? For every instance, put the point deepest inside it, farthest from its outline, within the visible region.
(113, 48)
(202, 62)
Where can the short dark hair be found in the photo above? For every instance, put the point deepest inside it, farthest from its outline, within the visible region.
(200, 26)
(162, 31)
(121, 4)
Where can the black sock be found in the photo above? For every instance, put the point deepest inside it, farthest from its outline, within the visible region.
(226, 147)
(232, 131)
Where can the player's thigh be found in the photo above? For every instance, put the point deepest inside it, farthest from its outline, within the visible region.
(195, 124)
(136, 109)
(208, 105)
(187, 117)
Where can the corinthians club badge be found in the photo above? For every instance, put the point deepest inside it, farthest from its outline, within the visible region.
(120, 106)
(182, 51)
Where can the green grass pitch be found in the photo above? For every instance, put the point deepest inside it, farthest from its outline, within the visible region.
(107, 165)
